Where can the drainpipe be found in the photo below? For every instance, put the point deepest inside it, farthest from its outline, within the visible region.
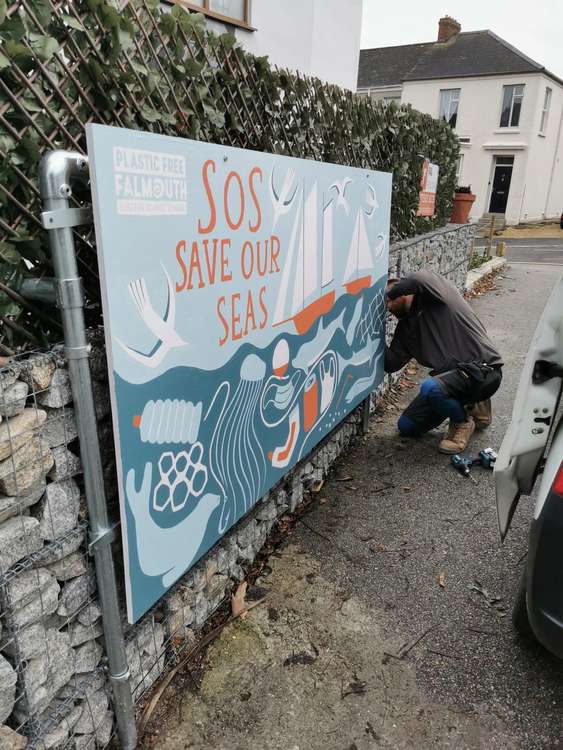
(552, 175)
(57, 171)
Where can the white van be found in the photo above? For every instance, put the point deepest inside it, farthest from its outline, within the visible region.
(533, 445)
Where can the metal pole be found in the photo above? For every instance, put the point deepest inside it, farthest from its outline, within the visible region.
(58, 170)
(366, 406)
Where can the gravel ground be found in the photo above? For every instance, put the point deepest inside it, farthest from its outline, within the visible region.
(386, 622)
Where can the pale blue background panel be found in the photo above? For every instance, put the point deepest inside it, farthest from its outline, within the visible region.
(244, 314)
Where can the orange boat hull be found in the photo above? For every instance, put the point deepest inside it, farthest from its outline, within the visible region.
(356, 286)
(304, 319)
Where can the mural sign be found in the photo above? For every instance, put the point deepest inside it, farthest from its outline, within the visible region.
(243, 302)
(428, 188)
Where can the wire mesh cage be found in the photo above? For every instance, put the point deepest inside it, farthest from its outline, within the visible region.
(53, 685)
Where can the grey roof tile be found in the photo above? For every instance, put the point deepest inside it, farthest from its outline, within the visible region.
(472, 53)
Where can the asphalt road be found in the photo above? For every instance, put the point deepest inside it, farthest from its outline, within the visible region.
(528, 250)
(419, 546)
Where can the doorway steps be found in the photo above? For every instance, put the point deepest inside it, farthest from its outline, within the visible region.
(484, 224)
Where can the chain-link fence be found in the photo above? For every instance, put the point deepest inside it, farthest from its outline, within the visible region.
(157, 68)
(52, 684)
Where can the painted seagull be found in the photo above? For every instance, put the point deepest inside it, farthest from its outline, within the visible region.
(371, 200)
(340, 188)
(161, 327)
(282, 202)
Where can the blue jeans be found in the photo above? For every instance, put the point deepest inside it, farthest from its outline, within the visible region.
(445, 396)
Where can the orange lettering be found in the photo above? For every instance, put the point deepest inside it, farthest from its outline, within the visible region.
(195, 264)
(230, 177)
(275, 254)
(249, 314)
(247, 272)
(181, 246)
(211, 265)
(225, 276)
(213, 218)
(263, 307)
(253, 173)
(235, 318)
(222, 339)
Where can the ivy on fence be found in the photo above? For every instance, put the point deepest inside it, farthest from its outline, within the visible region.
(157, 68)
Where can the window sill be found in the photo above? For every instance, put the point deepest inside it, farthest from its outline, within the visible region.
(212, 14)
(504, 131)
(542, 135)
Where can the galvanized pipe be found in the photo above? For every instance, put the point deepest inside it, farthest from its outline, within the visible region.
(58, 171)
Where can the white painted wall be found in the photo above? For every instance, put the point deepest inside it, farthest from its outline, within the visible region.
(479, 118)
(315, 37)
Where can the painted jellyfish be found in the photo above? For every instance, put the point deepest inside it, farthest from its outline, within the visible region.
(170, 421)
(237, 459)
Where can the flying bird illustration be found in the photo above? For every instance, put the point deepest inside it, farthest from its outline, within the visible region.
(282, 201)
(340, 188)
(371, 200)
(161, 327)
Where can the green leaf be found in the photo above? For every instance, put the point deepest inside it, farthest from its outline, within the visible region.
(4, 62)
(215, 117)
(168, 24)
(3, 10)
(7, 143)
(9, 254)
(73, 22)
(44, 46)
(150, 114)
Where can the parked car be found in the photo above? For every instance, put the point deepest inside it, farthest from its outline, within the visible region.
(533, 446)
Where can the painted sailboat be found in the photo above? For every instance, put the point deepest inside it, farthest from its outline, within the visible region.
(357, 275)
(309, 267)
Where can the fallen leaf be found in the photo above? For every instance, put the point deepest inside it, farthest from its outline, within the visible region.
(442, 580)
(347, 478)
(301, 658)
(406, 489)
(238, 603)
(323, 500)
(318, 487)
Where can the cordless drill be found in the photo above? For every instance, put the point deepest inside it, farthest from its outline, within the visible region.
(463, 464)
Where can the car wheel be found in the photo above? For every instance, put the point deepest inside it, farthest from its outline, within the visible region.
(520, 612)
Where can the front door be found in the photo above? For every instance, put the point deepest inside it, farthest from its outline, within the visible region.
(501, 184)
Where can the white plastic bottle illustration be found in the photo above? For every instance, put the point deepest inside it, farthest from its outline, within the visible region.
(170, 421)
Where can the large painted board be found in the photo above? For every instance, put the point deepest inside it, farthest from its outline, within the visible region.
(243, 299)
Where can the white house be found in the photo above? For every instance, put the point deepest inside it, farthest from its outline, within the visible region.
(314, 37)
(506, 109)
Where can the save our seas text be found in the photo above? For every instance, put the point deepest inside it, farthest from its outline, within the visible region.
(208, 261)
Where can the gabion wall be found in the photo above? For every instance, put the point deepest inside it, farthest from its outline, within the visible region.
(53, 687)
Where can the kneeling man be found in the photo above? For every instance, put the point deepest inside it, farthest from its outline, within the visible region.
(440, 330)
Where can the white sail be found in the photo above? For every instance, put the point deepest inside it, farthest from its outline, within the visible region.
(352, 261)
(365, 261)
(310, 246)
(327, 248)
(292, 268)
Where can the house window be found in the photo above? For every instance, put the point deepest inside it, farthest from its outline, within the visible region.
(545, 110)
(449, 105)
(236, 12)
(511, 105)
(459, 168)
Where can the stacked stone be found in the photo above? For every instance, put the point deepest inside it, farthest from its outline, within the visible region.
(51, 684)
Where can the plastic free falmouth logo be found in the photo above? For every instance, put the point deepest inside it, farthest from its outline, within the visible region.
(149, 183)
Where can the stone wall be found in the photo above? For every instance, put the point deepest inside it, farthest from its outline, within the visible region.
(53, 687)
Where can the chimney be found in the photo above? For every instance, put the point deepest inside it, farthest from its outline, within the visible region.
(448, 28)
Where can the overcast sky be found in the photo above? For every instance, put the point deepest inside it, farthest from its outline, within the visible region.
(535, 27)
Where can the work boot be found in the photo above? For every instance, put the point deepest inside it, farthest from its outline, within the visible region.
(482, 414)
(457, 439)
